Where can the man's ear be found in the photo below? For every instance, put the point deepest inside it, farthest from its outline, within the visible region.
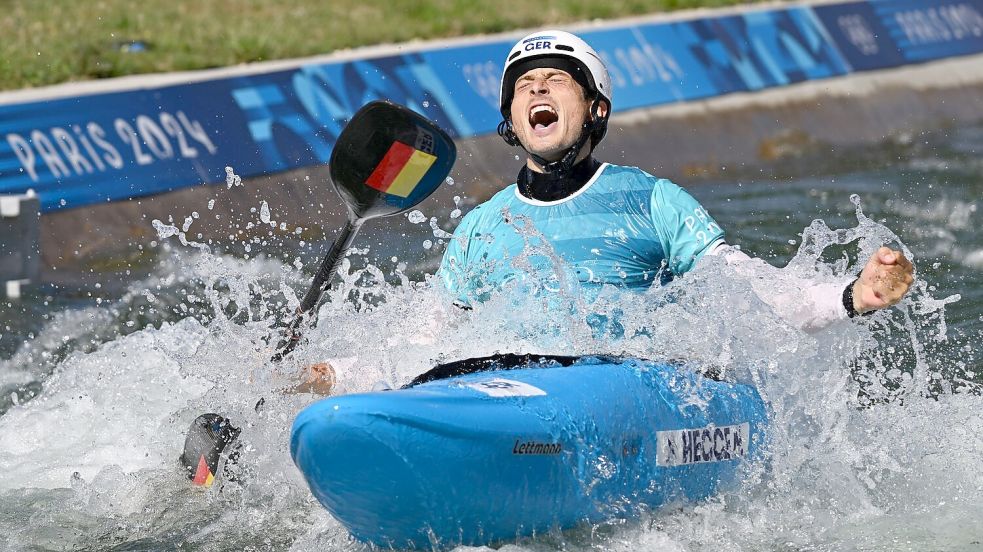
(601, 111)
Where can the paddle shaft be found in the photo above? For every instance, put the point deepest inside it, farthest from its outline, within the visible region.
(321, 282)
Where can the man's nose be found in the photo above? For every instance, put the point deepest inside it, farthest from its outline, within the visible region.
(540, 86)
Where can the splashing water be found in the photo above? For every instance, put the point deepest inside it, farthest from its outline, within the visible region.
(456, 213)
(833, 464)
(231, 178)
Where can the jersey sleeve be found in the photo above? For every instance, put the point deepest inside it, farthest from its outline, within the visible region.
(686, 229)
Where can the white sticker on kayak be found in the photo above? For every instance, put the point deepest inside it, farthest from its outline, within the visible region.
(499, 387)
(702, 445)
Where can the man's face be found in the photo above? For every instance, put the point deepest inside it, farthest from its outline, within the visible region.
(548, 111)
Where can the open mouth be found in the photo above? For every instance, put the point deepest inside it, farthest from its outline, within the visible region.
(542, 116)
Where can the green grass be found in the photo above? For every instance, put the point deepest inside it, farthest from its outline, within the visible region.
(51, 41)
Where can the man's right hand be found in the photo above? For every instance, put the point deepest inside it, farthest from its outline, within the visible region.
(318, 378)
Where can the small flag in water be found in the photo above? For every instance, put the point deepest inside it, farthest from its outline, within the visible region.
(400, 170)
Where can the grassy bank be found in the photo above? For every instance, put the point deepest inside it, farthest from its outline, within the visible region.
(52, 41)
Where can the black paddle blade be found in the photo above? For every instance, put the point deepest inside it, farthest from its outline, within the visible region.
(208, 437)
(389, 158)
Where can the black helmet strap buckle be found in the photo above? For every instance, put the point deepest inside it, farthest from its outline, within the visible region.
(507, 133)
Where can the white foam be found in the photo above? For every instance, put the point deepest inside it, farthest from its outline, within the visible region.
(972, 259)
(100, 443)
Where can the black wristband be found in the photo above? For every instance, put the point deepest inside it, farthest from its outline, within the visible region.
(851, 312)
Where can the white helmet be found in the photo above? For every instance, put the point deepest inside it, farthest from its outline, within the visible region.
(533, 50)
(560, 50)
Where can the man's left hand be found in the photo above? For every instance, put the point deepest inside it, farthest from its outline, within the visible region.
(883, 282)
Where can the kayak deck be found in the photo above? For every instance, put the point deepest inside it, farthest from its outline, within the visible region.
(499, 454)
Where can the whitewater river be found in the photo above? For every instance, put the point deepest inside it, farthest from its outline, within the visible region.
(877, 437)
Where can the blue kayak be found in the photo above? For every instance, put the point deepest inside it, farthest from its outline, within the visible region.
(524, 447)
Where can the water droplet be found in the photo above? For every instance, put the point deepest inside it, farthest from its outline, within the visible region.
(231, 178)
(164, 231)
(427, 244)
(455, 213)
(264, 212)
(449, 181)
(211, 204)
(426, 103)
(416, 216)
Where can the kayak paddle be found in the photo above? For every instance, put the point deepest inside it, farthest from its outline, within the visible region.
(386, 160)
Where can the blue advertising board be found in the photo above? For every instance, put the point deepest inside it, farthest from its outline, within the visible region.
(863, 39)
(890, 33)
(122, 145)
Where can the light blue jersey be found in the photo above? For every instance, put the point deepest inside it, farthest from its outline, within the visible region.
(624, 227)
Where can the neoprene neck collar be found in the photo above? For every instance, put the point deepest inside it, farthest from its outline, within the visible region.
(556, 186)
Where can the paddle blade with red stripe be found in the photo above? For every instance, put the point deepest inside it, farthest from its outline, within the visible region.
(389, 158)
(205, 446)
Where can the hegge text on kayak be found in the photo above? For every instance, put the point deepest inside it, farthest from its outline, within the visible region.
(702, 445)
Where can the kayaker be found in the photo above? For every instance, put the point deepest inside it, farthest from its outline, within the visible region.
(611, 224)
(604, 223)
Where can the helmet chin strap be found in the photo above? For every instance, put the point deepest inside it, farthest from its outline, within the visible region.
(561, 166)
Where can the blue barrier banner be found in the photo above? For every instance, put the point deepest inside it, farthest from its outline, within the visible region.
(938, 29)
(864, 41)
(104, 147)
(891, 33)
(123, 145)
(763, 49)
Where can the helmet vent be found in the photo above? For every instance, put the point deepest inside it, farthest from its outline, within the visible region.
(564, 47)
(515, 55)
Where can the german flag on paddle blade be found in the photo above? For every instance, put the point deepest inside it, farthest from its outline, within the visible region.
(400, 170)
(203, 475)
